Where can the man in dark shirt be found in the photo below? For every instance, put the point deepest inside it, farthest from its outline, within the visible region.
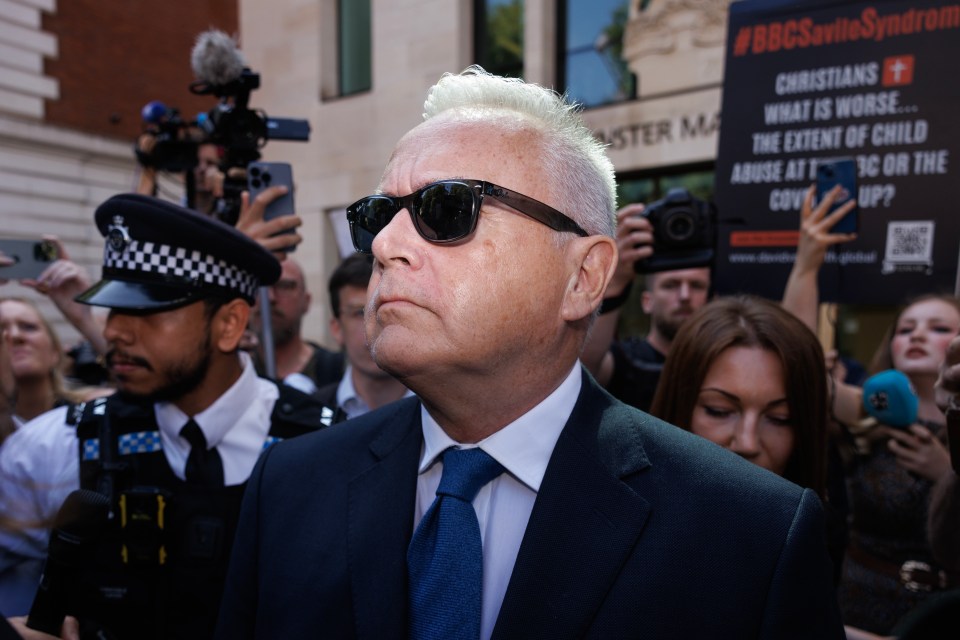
(300, 363)
(630, 368)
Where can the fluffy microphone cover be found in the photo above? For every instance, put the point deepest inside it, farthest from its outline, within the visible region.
(215, 58)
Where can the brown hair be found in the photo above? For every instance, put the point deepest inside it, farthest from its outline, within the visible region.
(883, 357)
(749, 321)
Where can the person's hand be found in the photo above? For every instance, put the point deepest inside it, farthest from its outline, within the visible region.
(212, 181)
(835, 366)
(634, 242)
(69, 631)
(948, 384)
(815, 225)
(265, 232)
(5, 261)
(853, 633)
(919, 451)
(63, 280)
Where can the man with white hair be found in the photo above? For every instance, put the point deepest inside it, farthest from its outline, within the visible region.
(513, 498)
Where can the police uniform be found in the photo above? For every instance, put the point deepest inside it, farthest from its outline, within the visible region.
(162, 556)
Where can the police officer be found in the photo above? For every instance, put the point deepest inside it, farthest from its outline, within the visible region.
(173, 448)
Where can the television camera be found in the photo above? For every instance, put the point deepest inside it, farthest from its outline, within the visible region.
(232, 124)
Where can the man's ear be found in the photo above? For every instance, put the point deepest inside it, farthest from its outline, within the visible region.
(228, 325)
(595, 260)
(307, 299)
(336, 330)
(645, 301)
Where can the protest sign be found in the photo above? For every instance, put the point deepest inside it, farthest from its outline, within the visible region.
(874, 81)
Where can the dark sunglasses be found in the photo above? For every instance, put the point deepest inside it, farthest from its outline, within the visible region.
(445, 211)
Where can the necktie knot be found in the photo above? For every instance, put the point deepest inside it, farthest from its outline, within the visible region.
(466, 471)
(192, 433)
(204, 467)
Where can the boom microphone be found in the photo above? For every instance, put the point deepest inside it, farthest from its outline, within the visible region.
(215, 59)
(889, 397)
(79, 523)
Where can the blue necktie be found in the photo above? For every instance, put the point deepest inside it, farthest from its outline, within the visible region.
(445, 558)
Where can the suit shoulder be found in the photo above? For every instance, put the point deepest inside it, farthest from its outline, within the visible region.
(698, 465)
(350, 441)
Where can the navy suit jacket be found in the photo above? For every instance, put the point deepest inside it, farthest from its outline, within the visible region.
(640, 529)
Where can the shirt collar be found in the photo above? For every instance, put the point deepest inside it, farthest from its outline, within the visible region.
(348, 400)
(220, 416)
(525, 445)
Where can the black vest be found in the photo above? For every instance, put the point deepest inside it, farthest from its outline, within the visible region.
(160, 569)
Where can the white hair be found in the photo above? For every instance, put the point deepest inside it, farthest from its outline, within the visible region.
(576, 166)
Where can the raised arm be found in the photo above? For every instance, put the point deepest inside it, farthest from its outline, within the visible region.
(801, 295)
(634, 239)
(62, 281)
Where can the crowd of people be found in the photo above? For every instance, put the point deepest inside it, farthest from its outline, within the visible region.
(507, 465)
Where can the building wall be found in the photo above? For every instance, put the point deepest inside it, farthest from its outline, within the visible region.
(74, 76)
(115, 56)
(293, 44)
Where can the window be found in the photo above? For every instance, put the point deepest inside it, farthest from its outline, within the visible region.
(498, 37)
(699, 182)
(354, 59)
(591, 68)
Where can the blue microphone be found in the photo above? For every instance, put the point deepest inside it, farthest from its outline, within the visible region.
(889, 397)
(154, 112)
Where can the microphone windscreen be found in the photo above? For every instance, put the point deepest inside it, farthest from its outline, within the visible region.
(215, 58)
(153, 112)
(889, 397)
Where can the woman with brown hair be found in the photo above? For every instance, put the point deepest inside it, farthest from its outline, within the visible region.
(749, 376)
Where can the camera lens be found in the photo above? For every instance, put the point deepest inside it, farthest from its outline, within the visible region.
(679, 227)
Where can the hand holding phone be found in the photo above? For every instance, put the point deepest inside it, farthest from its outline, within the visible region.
(30, 257)
(843, 172)
(263, 175)
(260, 177)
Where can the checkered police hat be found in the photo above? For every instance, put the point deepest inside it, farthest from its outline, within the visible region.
(160, 256)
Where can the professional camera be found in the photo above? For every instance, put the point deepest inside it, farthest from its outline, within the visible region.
(175, 139)
(684, 233)
(232, 124)
(243, 131)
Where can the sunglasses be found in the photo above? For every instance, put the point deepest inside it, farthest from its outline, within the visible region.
(445, 211)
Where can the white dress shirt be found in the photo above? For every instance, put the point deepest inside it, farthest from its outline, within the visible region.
(39, 463)
(504, 505)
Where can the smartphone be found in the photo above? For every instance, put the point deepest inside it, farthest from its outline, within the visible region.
(263, 175)
(31, 257)
(842, 171)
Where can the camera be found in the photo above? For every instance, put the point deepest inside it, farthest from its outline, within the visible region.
(239, 130)
(175, 140)
(243, 131)
(684, 233)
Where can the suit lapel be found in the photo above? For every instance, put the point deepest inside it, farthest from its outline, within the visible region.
(584, 523)
(380, 524)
